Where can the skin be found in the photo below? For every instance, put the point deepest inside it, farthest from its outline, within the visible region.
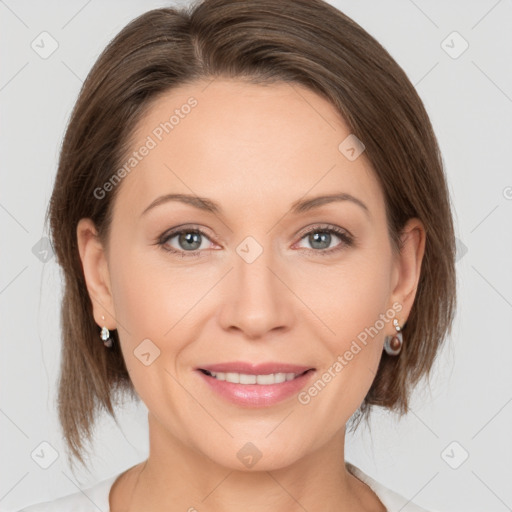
(254, 150)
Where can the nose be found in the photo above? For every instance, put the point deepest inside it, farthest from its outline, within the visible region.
(257, 298)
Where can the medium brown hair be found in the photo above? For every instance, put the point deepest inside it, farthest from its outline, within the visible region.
(307, 42)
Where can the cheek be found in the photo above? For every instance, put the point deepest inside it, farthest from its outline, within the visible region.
(353, 303)
(154, 300)
(362, 321)
(136, 298)
(351, 307)
(148, 296)
(349, 297)
(143, 300)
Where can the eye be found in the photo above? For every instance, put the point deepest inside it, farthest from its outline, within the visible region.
(193, 241)
(185, 242)
(320, 239)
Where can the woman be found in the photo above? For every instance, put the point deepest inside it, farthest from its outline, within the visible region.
(253, 222)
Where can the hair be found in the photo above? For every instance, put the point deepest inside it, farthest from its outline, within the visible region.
(304, 42)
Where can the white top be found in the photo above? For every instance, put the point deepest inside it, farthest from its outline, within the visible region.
(95, 498)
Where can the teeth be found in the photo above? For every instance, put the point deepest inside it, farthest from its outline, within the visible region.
(243, 378)
(266, 379)
(230, 377)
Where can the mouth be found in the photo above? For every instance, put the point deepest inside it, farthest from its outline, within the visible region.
(248, 385)
(263, 379)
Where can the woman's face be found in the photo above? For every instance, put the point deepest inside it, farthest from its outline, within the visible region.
(256, 278)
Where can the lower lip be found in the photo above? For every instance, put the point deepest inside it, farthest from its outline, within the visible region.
(257, 395)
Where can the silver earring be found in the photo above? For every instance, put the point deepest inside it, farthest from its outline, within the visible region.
(105, 335)
(393, 344)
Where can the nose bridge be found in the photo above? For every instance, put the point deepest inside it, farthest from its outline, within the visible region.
(256, 300)
(254, 280)
(252, 264)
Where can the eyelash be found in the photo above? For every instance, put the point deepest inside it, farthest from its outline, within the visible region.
(346, 240)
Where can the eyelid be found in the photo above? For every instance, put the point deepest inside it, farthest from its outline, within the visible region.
(322, 226)
(176, 230)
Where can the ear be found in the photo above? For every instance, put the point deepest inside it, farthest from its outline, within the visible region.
(97, 278)
(408, 267)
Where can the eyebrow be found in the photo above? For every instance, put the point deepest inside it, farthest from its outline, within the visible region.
(300, 206)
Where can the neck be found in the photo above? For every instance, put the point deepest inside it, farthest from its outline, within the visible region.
(176, 477)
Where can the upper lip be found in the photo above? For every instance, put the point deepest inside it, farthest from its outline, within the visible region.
(255, 369)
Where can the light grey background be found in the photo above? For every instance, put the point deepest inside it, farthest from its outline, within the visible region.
(469, 401)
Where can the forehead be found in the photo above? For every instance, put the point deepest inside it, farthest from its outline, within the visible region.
(243, 144)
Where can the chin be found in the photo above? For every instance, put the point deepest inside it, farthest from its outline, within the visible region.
(250, 456)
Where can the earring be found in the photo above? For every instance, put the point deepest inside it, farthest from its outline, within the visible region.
(105, 335)
(393, 344)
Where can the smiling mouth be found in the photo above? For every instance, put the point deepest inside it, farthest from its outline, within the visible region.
(245, 378)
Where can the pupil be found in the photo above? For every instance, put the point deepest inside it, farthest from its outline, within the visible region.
(323, 238)
(190, 238)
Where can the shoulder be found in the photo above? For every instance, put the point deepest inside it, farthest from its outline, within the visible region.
(92, 498)
(393, 501)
